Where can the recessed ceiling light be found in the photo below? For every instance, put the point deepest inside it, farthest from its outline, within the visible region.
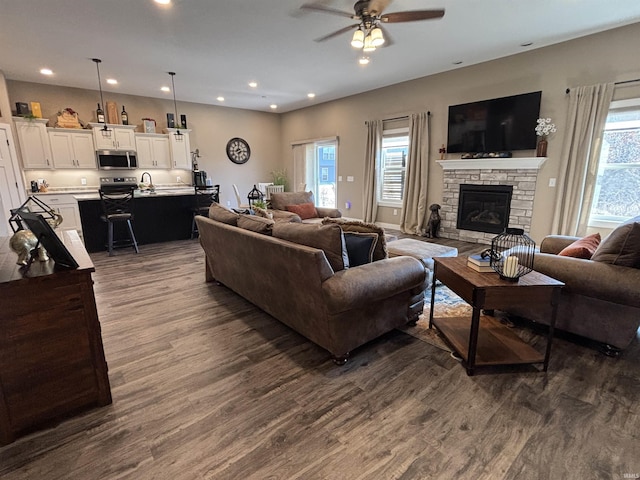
(253, 84)
(459, 62)
(273, 106)
(526, 44)
(112, 81)
(220, 99)
(363, 60)
(46, 71)
(163, 2)
(311, 95)
(165, 89)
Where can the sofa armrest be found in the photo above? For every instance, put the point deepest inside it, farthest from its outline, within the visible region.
(359, 286)
(603, 281)
(555, 243)
(328, 212)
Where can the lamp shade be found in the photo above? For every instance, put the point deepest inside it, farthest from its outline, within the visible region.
(358, 39)
(512, 254)
(368, 45)
(377, 39)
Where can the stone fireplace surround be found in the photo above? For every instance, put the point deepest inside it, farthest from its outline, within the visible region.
(521, 173)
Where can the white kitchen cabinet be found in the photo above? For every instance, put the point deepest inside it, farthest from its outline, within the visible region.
(153, 150)
(118, 137)
(34, 143)
(72, 149)
(180, 148)
(67, 205)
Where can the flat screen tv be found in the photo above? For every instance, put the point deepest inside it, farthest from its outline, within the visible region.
(498, 125)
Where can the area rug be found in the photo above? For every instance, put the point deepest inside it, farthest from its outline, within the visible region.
(447, 304)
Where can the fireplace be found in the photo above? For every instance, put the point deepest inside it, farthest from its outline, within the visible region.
(484, 208)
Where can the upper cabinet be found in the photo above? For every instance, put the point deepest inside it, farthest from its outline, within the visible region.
(72, 149)
(153, 150)
(116, 137)
(34, 143)
(180, 148)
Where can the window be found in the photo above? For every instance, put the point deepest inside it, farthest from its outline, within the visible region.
(617, 192)
(392, 167)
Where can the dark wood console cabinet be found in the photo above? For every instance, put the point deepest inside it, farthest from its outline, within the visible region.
(52, 362)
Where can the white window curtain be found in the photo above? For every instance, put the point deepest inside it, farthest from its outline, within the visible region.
(588, 109)
(414, 206)
(374, 144)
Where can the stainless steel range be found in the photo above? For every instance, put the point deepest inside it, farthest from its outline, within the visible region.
(119, 181)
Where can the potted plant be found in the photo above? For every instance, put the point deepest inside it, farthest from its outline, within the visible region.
(279, 177)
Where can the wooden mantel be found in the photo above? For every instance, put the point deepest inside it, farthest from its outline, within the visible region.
(493, 163)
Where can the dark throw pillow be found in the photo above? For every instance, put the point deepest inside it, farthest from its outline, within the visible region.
(360, 247)
(583, 248)
(622, 246)
(303, 210)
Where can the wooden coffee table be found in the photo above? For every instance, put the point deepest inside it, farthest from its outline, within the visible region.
(483, 340)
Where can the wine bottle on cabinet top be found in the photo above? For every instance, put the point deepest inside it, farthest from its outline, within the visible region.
(100, 114)
(124, 116)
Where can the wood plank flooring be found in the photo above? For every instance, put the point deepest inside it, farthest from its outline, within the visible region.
(207, 386)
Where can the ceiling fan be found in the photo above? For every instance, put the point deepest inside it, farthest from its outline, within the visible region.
(370, 34)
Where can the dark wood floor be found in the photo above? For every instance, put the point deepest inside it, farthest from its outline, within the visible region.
(206, 386)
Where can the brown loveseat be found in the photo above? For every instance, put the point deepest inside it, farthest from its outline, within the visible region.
(336, 308)
(601, 297)
(280, 201)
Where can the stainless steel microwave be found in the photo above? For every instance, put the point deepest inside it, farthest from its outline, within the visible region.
(112, 159)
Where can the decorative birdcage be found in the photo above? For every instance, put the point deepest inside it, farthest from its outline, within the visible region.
(512, 254)
(254, 196)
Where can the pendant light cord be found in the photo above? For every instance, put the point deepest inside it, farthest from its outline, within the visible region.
(98, 61)
(173, 89)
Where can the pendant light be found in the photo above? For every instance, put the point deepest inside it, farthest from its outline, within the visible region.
(105, 131)
(178, 134)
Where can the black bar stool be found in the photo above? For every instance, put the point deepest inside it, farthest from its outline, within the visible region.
(204, 197)
(117, 206)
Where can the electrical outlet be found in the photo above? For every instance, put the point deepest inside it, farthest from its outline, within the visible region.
(83, 181)
(395, 211)
(178, 179)
(552, 182)
(228, 203)
(347, 205)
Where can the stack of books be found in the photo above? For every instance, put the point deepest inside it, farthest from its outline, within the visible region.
(479, 264)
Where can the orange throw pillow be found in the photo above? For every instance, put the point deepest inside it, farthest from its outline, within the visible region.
(583, 248)
(303, 210)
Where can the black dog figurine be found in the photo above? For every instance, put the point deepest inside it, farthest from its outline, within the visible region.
(434, 221)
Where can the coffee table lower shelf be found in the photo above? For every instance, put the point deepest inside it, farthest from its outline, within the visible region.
(497, 344)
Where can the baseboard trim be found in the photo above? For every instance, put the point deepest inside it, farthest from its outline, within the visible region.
(388, 225)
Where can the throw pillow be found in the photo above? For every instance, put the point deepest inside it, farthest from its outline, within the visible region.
(327, 238)
(303, 210)
(583, 248)
(219, 213)
(279, 201)
(622, 246)
(360, 247)
(380, 251)
(256, 224)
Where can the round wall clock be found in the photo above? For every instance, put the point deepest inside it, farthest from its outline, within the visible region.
(238, 150)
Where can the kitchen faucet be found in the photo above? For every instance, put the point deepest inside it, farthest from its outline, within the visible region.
(151, 186)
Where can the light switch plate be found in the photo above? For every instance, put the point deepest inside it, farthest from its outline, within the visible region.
(350, 178)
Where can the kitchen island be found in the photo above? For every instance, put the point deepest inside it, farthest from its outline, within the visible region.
(162, 216)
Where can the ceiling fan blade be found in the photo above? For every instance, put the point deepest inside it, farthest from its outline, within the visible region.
(318, 7)
(376, 7)
(337, 32)
(411, 16)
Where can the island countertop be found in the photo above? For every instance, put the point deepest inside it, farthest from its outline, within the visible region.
(159, 192)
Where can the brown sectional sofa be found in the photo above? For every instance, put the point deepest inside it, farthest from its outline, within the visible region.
(338, 309)
(279, 202)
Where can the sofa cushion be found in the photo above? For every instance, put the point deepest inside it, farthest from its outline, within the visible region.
(583, 248)
(327, 238)
(256, 223)
(303, 210)
(360, 247)
(221, 214)
(380, 251)
(279, 201)
(622, 246)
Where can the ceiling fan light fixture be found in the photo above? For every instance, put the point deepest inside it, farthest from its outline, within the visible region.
(377, 39)
(358, 39)
(368, 44)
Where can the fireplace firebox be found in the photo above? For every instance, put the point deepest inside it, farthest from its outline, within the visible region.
(484, 208)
